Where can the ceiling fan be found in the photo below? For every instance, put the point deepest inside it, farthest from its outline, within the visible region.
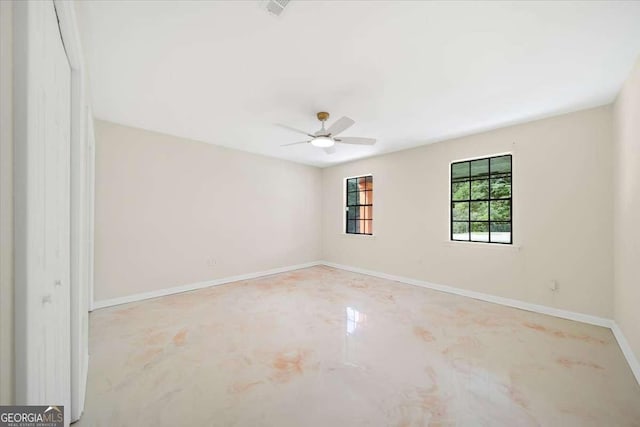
(326, 138)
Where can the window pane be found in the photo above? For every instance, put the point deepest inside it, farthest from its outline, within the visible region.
(351, 226)
(352, 212)
(479, 232)
(363, 226)
(460, 211)
(352, 199)
(479, 168)
(501, 232)
(459, 170)
(368, 212)
(501, 164)
(362, 183)
(500, 188)
(460, 190)
(460, 231)
(480, 189)
(500, 210)
(361, 212)
(480, 211)
(369, 183)
(352, 184)
(369, 198)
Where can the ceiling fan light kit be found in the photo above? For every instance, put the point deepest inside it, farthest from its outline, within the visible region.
(322, 141)
(325, 138)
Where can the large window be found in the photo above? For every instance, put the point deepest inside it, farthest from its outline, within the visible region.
(359, 209)
(481, 208)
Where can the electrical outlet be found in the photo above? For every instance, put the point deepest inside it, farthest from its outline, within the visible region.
(211, 262)
(553, 286)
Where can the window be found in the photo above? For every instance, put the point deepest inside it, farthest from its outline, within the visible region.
(359, 209)
(481, 208)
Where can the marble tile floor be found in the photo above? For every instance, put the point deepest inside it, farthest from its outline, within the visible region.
(326, 347)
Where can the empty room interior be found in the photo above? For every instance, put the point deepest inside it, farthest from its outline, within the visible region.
(320, 213)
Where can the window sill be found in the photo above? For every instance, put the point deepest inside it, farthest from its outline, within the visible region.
(358, 236)
(463, 243)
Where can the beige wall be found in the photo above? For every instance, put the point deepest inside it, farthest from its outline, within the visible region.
(627, 210)
(172, 212)
(562, 215)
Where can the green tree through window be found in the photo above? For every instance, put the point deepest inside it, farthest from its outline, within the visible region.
(481, 208)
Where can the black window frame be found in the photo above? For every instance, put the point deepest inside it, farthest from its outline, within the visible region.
(488, 200)
(368, 202)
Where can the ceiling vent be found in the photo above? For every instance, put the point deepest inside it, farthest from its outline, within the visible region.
(275, 7)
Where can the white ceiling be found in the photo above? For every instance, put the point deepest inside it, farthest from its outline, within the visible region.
(408, 73)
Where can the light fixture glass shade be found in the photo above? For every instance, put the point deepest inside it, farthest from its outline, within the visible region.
(322, 141)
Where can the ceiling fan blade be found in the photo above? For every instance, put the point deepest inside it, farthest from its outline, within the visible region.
(292, 129)
(330, 150)
(356, 140)
(294, 143)
(340, 125)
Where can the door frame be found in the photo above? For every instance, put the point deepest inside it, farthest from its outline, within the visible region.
(81, 190)
(6, 204)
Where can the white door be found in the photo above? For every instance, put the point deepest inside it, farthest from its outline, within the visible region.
(43, 85)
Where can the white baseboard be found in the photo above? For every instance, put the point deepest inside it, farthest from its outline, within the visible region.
(633, 361)
(565, 314)
(193, 286)
(536, 308)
